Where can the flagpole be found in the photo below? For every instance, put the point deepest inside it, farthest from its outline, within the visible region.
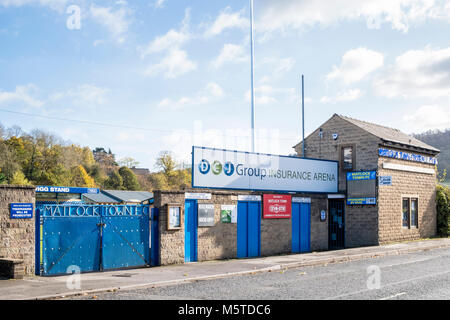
(252, 77)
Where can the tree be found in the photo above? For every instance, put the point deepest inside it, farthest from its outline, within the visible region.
(19, 179)
(80, 178)
(114, 181)
(166, 162)
(129, 179)
(128, 162)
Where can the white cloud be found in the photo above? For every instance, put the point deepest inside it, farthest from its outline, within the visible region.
(428, 117)
(212, 92)
(172, 39)
(417, 73)
(175, 64)
(343, 96)
(284, 15)
(116, 22)
(57, 5)
(160, 3)
(266, 94)
(355, 65)
(227, 20)
(22, 94)
(230, 53)
(85, 94)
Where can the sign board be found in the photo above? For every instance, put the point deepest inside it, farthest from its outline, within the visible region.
(197, 196)
(228, 213)
(385, 180)
(249, 197)
(205, 215)
(174, 217)
(361, 187)
(226, 169)
(407, 156)
(277, 206)
(21, 211)
(323, 215)
(49, 189)
(301, 200)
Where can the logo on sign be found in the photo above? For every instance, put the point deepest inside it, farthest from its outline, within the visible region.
(216, 167)
(204, 166)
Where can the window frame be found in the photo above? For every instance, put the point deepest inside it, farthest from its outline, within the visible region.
(410, 199)
(342, 158)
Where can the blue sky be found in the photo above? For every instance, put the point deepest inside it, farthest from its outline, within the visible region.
(169, 74)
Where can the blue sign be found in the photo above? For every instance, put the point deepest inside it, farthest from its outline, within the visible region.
(361, 187)
(49, 189)
(21, 211)
(385, 180)
(354, 201)
(363, 175)
(388, 153)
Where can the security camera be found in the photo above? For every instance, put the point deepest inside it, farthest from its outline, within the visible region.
(335, 136)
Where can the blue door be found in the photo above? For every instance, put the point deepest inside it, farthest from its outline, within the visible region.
(190, 230)
(249, 229)
(301, 227)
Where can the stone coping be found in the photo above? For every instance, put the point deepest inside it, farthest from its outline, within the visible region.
(13, 186)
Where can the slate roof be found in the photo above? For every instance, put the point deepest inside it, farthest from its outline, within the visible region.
(389, 134)
(99, 198)
(128, 196)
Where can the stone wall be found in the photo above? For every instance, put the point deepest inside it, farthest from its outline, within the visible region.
(406, 184)
(17, 236)
(361, 222)
(220, 240)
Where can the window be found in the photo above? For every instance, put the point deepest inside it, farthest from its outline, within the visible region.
(405, 206)
(410, 212)
(414, 213)
(347, 158)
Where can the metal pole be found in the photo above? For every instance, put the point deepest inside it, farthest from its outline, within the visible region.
(252, 77)
(303, 115)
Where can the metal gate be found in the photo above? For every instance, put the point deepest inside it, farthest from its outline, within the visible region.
(92, 237)
(249, 229)
(336, 224)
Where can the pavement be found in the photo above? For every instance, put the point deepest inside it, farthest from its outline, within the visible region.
(39, 288)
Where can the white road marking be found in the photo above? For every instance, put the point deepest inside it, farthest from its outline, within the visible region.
(394, 296)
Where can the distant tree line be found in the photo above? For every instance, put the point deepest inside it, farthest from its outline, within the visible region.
(440, 140)
(42, 158)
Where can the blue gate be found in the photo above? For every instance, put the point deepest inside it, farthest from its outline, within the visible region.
(301, 226)
(249, 229)
(92, 237)
(190, 230)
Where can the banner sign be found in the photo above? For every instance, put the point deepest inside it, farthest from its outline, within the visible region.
(49, 189)
(388, 153)
(205, 215)
(226, 169)
(277, 206)
(21, 211)
(361, 187)
(197, 196)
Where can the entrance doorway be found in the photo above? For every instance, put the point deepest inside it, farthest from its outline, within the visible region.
(190, 230)
(249, 229)
(336, 224)
(301, 226)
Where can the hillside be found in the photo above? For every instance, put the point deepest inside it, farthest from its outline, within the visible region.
(440, 140)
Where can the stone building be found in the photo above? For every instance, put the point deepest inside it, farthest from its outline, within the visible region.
(405, 207)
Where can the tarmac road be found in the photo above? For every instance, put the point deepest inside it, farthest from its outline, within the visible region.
(419, 275)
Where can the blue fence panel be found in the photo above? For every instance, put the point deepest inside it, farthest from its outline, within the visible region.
(126, 238)
(71, 242)
(92, 237)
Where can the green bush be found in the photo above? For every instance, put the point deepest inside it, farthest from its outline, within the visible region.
(443, 210)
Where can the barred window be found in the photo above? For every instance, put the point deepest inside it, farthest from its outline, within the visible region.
(405, 209)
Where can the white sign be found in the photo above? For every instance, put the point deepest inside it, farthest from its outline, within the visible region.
(249, 198)
(225, 169)
(301, 200)
(197, 196)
